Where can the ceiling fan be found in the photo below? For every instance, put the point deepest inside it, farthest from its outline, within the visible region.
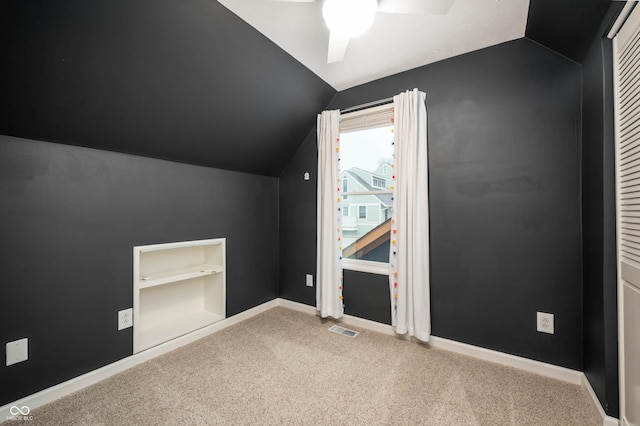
(350, 18)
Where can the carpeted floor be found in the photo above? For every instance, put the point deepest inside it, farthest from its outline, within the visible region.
(284, 367)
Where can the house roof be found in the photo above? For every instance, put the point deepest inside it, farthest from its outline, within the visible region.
(184, 81)
(386, 199)
(369, 241)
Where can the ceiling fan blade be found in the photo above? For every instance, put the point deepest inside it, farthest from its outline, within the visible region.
(337, 47)
(418, 7)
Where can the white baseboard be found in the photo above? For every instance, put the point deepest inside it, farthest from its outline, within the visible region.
(65, 388)
(606, 420)
(544, 369)
(347, 319)
(532, 366)
(296, 306)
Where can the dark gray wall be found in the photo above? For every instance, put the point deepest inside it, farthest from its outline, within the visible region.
(165, 79)
(598, 222)
(504, 146)
(566, 26)
(367, 296)
(182, 80)
(69, 218)
(298, 223)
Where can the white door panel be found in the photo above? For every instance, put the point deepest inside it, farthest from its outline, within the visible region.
(631, 296)
(627, 89)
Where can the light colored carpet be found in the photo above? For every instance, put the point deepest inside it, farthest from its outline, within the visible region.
(283, 367)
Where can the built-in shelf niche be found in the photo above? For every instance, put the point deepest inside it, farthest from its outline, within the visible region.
(178, 288)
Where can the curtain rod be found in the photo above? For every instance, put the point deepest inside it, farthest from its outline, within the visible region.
(367, 105)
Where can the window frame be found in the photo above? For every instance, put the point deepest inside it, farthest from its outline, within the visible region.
(367, 266)
(367, 118)
(361, 209)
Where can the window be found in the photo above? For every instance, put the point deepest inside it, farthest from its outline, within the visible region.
(378, 183)
(345, 210)
(366, 157)
(362, 212)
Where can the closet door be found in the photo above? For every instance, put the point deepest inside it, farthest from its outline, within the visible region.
(627, 82)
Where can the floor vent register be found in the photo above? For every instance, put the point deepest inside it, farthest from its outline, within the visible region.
(343, 331)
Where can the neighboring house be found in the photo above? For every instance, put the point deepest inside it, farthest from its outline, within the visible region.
(364, 212)
(374, 245)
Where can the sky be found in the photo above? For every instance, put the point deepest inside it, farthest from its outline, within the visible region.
(366, 149)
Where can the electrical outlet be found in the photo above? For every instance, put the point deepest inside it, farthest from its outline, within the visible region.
(17, 351)
(545, 323)
(309, 280)
(125, 318)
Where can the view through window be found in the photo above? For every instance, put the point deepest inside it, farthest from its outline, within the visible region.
(366, 172)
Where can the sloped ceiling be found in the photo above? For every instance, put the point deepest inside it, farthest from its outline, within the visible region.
(182, 80)
(567, 26)
(395, 42)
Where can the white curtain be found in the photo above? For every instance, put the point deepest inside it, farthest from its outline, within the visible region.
(409, 248)
(329, 234)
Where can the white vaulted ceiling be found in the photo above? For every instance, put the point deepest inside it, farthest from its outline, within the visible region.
(394, 43)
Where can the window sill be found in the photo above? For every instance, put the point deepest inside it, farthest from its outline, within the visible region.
(368, 266)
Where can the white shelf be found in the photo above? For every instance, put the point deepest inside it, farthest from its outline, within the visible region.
(163, 331)
(177, 289)
(166, 277)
